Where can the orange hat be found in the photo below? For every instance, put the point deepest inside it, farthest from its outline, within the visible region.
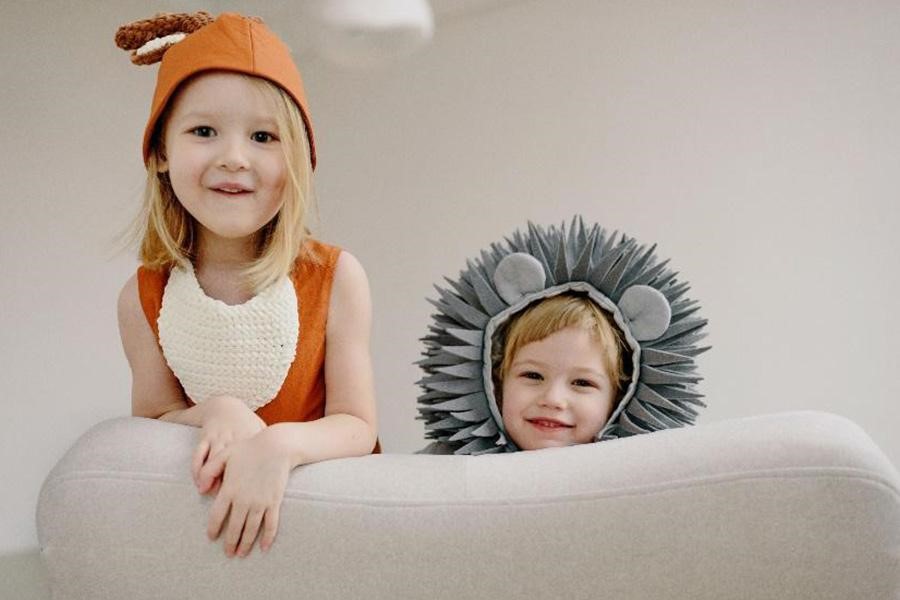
(231, 42)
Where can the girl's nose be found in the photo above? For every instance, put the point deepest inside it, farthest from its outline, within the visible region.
(233, 156)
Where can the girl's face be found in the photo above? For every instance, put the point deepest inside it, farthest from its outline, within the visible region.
(224, 157)
(557, 391)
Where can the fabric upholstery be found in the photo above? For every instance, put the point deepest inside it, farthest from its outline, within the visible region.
(792, 505)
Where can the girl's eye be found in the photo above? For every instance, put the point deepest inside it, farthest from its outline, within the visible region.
(203, 131)
(583, 383)
(263, 137)
(532, 375)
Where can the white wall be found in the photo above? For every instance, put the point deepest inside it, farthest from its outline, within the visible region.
(756, 142)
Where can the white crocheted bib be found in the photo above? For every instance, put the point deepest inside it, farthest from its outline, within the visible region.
(216, 349)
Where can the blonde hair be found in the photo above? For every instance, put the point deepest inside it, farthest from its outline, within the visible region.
(554, 314)
(169, 233)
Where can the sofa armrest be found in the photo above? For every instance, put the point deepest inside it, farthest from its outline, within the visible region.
(792, 505)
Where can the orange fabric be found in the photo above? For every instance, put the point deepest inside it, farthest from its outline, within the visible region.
(302, 395)
(230, 43)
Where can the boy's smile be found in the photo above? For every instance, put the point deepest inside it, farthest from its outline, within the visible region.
(557, 391)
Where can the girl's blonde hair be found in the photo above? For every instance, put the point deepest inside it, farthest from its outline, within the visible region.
(555, 314)
(169, 233)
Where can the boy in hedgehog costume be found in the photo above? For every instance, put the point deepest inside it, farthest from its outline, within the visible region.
(559, 336)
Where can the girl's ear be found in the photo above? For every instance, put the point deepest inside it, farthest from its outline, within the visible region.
(162, 165)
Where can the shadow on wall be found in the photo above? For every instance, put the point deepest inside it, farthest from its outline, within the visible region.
(23, 576)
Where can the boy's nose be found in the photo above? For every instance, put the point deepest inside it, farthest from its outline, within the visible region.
(555, 396)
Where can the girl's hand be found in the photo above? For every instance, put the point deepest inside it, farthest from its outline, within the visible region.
(249, 499)
(227, 421)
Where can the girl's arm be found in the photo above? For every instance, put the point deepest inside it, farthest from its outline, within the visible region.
(350, 424)
(156, 393)
(256, 470)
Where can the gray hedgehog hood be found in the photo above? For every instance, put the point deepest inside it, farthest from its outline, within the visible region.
(643, 297)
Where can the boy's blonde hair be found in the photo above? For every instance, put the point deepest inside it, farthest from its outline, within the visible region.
(555, 314)
(169, 233)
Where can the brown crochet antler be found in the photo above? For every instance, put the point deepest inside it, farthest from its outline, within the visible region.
(133, 36)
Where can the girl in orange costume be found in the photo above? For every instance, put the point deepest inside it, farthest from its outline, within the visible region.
(238, 322)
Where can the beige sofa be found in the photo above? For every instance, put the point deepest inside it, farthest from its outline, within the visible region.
(793, 505)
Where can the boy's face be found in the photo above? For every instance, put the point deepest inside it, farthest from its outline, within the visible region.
(557, 391)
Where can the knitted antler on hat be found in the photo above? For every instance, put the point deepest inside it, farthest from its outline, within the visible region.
(189, 43)
(148, 39)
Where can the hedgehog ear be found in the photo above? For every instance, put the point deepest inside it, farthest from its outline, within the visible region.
(647, 311)
(517, 275)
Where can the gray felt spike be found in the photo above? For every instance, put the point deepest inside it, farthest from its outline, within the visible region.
(536, 251)
(470, 314)
(464, 290)
(440, 360)
(489, 299)
(611, 281)
(680, 343)
(644, 262)
(479, 414)
(654, 358)
(674, 292)
(477, 445)
(487, 429)
(684, 310)
(470, 370)
(679, 393)
(447, 310)
(462, 403)
(646, 394)
(473, 337)
(545, 242)
(468, 352)
(630, 426)
(489, 263)
(459, 386)
(561, 268)
(648, 276)
(604, 262)
(464, 434)
(652, 375)
(447, 423)
(636, 410)
(664, 417)
(680, 328)
(582, 267)
(432, 396)
(665, 279)
(435, 377)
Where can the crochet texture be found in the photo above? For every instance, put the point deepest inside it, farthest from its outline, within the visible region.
(216, 349)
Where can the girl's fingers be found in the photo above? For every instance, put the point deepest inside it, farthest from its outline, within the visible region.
(217, 514)
(233, 529)
(251, 528)
(199, 457)
(212, 470)
(270, 527)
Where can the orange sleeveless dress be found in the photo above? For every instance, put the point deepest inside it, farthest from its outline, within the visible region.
(302, 395)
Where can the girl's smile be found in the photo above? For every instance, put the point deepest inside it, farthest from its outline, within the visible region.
(224, 156)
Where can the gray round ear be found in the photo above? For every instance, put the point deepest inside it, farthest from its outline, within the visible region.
(647, 311)
(518, 274)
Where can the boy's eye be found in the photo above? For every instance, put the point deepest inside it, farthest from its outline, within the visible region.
(263, 137)
(203, 131)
